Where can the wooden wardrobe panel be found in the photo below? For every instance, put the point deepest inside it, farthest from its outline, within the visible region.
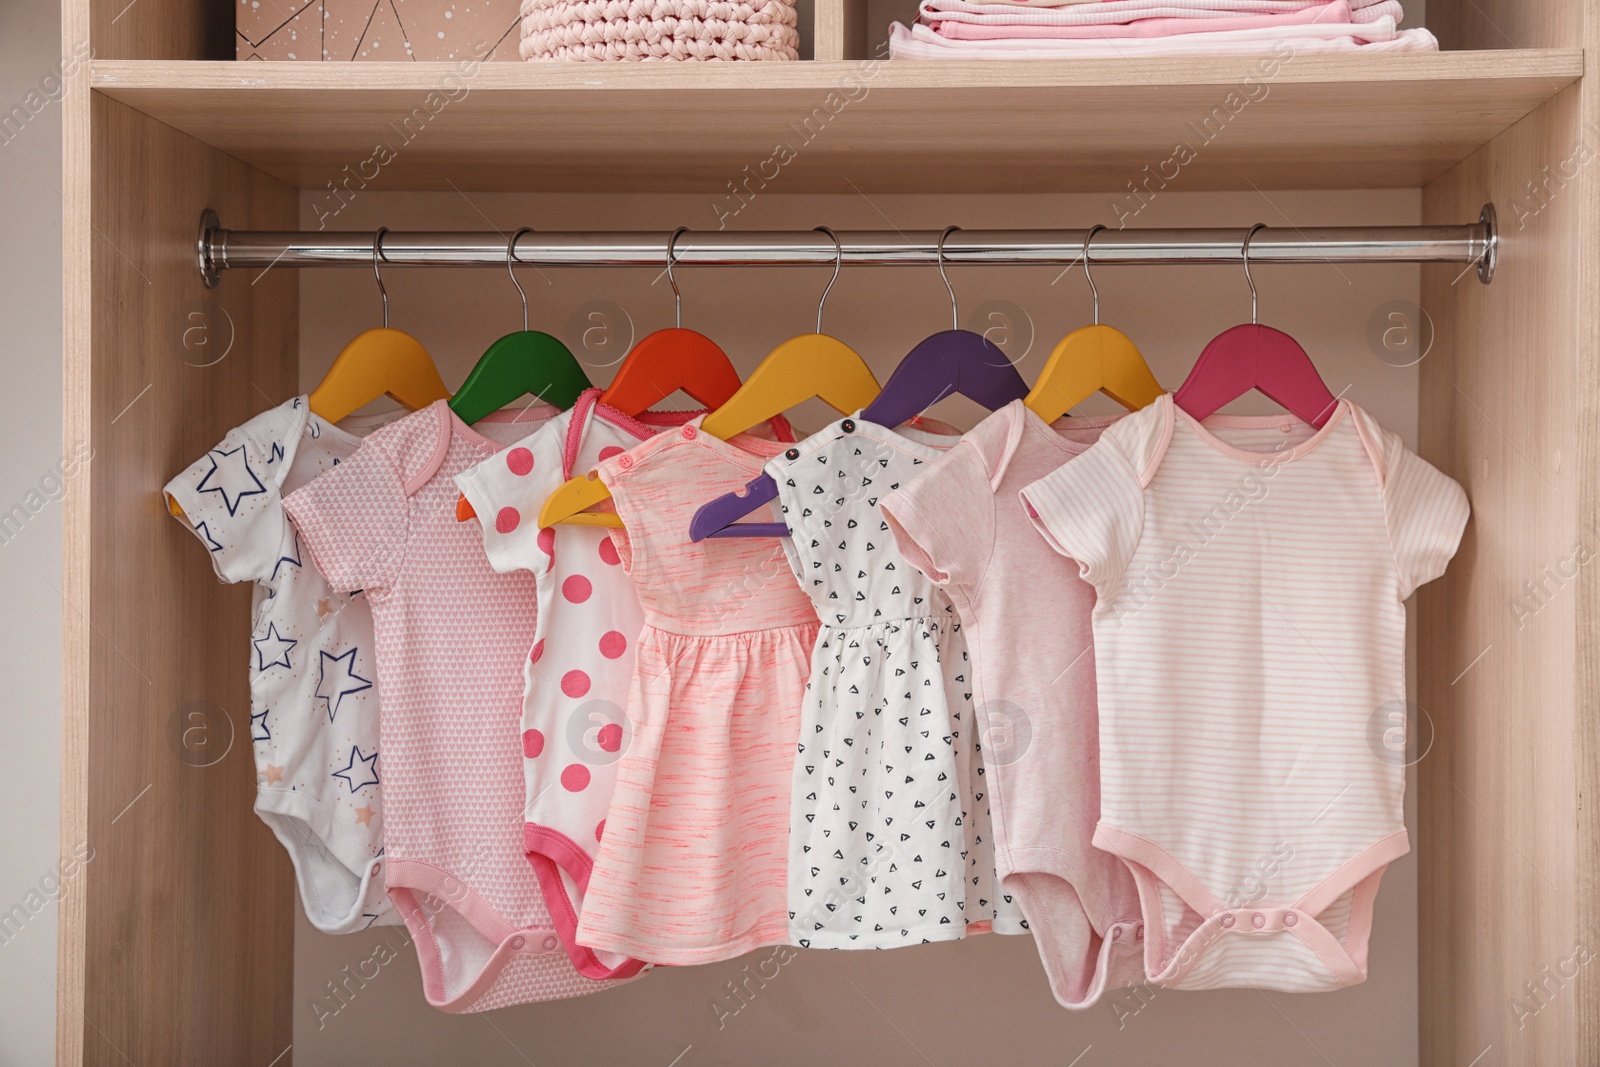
(1504, 924)
(177, 946)
(1507, 24)
(160, 29)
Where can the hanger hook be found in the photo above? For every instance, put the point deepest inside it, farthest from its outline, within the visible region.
(955, 318)
(838, 261)
(511, 257)
(1249, 280)
(1087, 241)
(672, 254)
(377, 253)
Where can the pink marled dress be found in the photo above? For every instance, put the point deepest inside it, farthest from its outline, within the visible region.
(692, 865)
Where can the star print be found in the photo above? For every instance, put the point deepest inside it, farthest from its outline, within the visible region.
(259, 730)
(368, 772)
(364, 815)
(205, 532)
(234, 478)
(294, 558)
(277, 644)
(336, 684)
(272, 774)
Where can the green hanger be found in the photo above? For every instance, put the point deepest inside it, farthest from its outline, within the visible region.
(519, 364)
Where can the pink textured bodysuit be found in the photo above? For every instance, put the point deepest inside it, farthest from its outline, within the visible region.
(452, 636)
(692, 864)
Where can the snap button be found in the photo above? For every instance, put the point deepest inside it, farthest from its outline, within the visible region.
(518, 941)
(688, 433)
(793, 453)
(625, 462)
(1290, 918)
(377, 866)
(848, 426)
(550, 943)
(1116, 932)
(1138, 932)
(1258, 920)
(1227, 922)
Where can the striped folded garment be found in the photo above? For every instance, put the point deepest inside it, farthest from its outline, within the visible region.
(961, 29)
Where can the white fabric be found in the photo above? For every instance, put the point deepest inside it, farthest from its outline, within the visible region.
(313, 696)
(921, 42)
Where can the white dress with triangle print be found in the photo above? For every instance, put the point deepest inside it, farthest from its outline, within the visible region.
(890, 841)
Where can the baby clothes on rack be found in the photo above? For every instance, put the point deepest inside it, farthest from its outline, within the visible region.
(313, 708)
(452, 635)
(1249, 632)
(889, 831)
(1026, 617)
(574, 724)
(691, 866)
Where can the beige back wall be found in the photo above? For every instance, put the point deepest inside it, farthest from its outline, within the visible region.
(978, 1002)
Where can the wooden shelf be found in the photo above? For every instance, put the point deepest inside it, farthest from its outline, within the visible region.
(1013, 126)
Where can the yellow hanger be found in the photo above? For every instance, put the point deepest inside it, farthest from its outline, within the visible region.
(811, 365)
(379, 362)
(1092, 359)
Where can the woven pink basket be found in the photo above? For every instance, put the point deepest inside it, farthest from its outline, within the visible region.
(634, 30)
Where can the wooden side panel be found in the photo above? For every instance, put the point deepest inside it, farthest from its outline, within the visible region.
(841, 29)
(161, 29)
(1506, 945)
(1507, 24)
(178, 949)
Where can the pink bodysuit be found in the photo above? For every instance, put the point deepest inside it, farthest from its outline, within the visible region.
(452, 636)
(692, 863)
(1249, 639)
(1025, 613)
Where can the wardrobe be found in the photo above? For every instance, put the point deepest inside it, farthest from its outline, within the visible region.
(179, 937)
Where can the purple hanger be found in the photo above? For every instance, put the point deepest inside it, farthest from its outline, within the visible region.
(1252, 356)
(951, 361)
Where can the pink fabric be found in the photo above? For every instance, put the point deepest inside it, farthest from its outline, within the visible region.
(1117, 16)
(1336, 13)
(1025, 613)
(451, 635)
(922, 42)
(691, 866)
(1262, 565)
(574, 728)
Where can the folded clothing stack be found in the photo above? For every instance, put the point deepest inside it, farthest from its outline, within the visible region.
(1041, 29)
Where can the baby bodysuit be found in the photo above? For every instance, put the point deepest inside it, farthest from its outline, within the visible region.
(313, 705)
(1025, 614)
(452, 637)
(574, 723)
(1249, 634)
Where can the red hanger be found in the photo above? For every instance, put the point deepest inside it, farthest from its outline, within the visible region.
(672, 359)
(1252, 356)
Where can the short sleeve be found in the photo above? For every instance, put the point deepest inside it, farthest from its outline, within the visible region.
(230, 500)
(1091, 509)
(506, 491)
(354, 519)
(944, 520)
(1426, 512)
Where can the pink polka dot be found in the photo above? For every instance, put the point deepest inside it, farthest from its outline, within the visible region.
(532, 743)
(608, 551)
(610, 737)
(547, 541)
(576, 589)
(507, 520)
(575, 683)
(519, 460)
(612, 644)
(538, 651)
(575, 778)
(600, 829)
(609, 451)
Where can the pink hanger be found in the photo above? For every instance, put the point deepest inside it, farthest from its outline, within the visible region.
(1252, 356)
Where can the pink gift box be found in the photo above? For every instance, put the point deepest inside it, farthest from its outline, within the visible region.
(376, 30)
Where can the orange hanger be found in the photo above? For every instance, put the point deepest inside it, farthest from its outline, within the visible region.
(375, 363)
(659, 365)
(1092, 359)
